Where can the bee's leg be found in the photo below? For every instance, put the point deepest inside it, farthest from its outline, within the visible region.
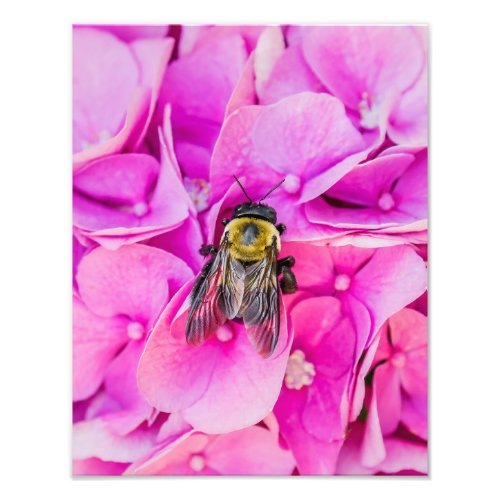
(288, 282)
(208, 250)
(285, 262)
(281, 228)
(225, 221)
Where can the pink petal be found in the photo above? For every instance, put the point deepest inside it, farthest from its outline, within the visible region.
(394, 277)
(121, 382)
(133, 280)
(152, 56)
(96, 467)
(311, 455)
(174, 242)
(251, 451)
(387, 392)
(219, 386)
(327, 338)
(244, 91)
(96, 340)
(290, 75)
(200, 84)
(372, 450)
(94, 439)
(270, 46)
(118, 178)
(350, 60)
(408, 122)
(100, 58)
(305, 134)
(128, 32)
(404, 455)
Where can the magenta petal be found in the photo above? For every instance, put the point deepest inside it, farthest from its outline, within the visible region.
(311, 455)
(372, 450)
(244, 91)
(394, 277)
(219, 386)
(152, 56)
(404, 455)
(175, 242)
(133, 280)
(96, 340)
(328, 339)
(129, 32)
(96, 467)
(290, 75)
(388, 397)
(304, 134)
(121, 382)
(98, 107)
(93, 438)
(124, 179)
(200, 84)
(350, 60)
(408, 122)
(251, 451)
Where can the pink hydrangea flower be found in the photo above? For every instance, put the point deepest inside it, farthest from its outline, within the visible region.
(305, 139)
(312, 409)
(127, 198)
(402, 456)
(400, 379)
(115, 89)
(218, 387)
(389, 191)
(198, 86)
(120, 295)
(371, 283)
(251, 451)
(379, 73)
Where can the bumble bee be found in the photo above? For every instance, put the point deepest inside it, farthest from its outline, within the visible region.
(241, 279)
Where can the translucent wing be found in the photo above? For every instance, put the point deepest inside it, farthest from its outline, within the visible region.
(260, 306)
(217, 295)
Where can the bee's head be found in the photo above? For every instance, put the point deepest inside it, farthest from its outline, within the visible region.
(257, 210)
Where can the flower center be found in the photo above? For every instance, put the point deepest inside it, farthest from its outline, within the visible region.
(386, 202)
(299, 372)
(140, 209)
(292, 184)
(199, 192)
(197, 462)
(224, 333)
(398, 359)
(135, 330)
(369, 109)
(342, 282)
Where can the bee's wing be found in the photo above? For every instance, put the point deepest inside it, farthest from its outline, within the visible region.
(260, 307)
(217, 295)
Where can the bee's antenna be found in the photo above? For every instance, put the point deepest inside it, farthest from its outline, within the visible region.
(242, 188)
(269, 192)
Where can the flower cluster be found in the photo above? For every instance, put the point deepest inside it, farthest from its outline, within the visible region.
(163, 118)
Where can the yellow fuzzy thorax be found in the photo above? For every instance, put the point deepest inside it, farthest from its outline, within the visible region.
(257, 249)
